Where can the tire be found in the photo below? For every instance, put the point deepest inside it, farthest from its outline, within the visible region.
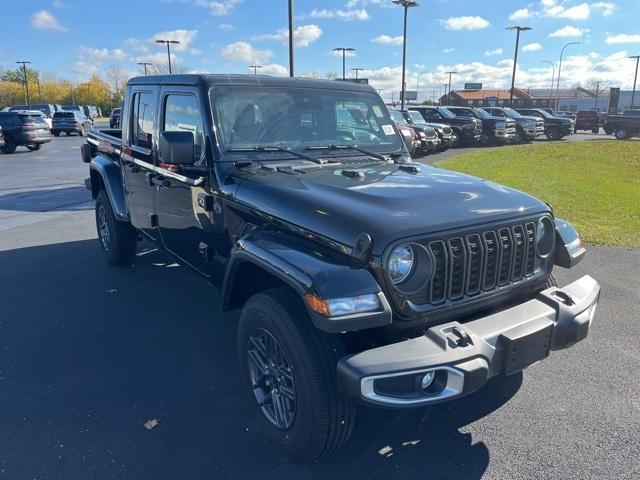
(595, 130)
(457, 141)
(56, 134)
(519, 137)
(322, 418)
(118, 240)
(33, 148)
(9, 146)
(621, 134)
(608, 131)
(554, 134)
(81, 132)
(551, 282)
(485, 140)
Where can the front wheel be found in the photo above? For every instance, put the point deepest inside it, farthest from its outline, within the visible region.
(9, 146)
(554, 134)
(33, 148)
(117, 239)
(289, 371)
(621, 134)
(485, 139)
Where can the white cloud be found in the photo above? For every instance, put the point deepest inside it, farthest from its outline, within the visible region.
(274, 69)
(448, 50)
(44, 20)
(218, 8)
(303, 36)
(623, 38)
(578, 12)
(346, 15)
(465, 23)
(338, 53)
(95, 55)
(58, 4)
(185, 37)
(520, 14)
(225, 27)
(490, 53)
(607, 8)
(246, 53)
(569, 31)
(532, 47)
(387, 40)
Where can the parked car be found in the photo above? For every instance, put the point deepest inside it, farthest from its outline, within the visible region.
(468, 130)
(563, 114)
(555, 128)
(1, 138)
(527, 128)
(46, 119)
(73, 108)
(114, 118)
(495, 130)
(99, 112)
(587, 120)
(429, 140)
(411, 136)
(446, 135)
(92, 112)
(70, 122)
(623, 126)
(47, 109)
(362, 277)
(23, 129)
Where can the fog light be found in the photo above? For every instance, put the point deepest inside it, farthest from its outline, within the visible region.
(427, 380)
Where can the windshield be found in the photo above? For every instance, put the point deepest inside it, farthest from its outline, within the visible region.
(462, 112)
(63, 115)
(446, 113)
(545, 113)
(397, 116)
(297, 118)
(512, 113)
(416, 117)
(481, 113)
(32, 118)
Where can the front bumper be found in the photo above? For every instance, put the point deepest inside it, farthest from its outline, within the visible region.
(463, 356)
(505, 135)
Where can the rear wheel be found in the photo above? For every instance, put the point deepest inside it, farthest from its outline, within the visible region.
(595, 130)
(9, 146)
(56, 134)
(33, 148)
(289, 371)
(621, 134)
(117, 239)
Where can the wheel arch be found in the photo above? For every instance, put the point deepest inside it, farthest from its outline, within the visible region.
(106, 175)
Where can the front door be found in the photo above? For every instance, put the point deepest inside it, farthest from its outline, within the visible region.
(184, 218)
(138, 155)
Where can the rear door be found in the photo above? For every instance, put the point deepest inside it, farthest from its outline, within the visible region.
(139, 143)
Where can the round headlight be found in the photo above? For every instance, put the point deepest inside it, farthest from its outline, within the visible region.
(544, 237)
(400, 263)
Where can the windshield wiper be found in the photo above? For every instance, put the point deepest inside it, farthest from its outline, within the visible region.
(349, 147)
(273, 148)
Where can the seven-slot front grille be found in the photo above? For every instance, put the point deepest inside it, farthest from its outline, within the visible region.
(467, 265)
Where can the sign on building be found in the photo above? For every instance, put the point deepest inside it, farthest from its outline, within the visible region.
(410, 95)
(473, 86)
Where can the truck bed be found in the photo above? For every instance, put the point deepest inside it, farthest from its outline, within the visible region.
(106, 141)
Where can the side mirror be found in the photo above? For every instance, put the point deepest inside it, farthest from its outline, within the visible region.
(176, 148)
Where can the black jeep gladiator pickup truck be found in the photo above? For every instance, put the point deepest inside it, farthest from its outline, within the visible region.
(623, 126)
(362, 276)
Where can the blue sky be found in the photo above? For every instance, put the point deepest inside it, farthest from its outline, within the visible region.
(72, 39)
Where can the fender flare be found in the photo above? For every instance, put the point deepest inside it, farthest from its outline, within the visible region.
(106, 172)
(308, 268)
(569, 250)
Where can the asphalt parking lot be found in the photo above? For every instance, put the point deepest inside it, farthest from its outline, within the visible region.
(89, 353)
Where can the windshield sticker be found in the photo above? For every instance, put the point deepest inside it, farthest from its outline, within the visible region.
(388, 130)
(377, 110)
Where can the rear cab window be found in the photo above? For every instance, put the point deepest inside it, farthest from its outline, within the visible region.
(142, 119)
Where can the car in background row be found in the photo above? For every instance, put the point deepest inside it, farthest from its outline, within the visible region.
(527, 128)
(587, 120)
(23, 129)
(427, 136)
(114, 118)
(445, 133)
(83, 109)
(624, 126)
(409, 135)
(70, 122)
(468, 130)
(495, 130)
(1, 138)
(555, 128)
(46, 108)
(569, 115)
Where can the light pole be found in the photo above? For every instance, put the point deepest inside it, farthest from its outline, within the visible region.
(73, 98)
(291, 38)
(27, 99)
(144, 64)
(595, 106)
(518, 29)
(168, 42)
(448, 92)
(406, 4)
(255, 68)
(553, 74)
(559, 71)
(418, 85)
(635, 78)
(357, 70)
(344, 51)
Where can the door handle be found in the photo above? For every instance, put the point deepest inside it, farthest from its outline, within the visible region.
(160, 182)
(132, 168)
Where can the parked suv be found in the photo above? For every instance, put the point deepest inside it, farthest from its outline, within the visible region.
(22, 128)
(47, 109)
(362, 277)
(70, 122)
(527, 128)
(413, 136)
(468, 130)
(587, 120)
(446, 135)
(555, 128)
(494, 129)
(114, 118)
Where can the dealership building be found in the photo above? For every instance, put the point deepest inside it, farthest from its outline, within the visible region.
(570, 99)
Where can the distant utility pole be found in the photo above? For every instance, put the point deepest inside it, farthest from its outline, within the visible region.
(73, 99)
(357, 70)
(595, 107)
(635, 79)
(144, 64)
(518, 29)
(344, 51)
(255, 68)
(560, 71)
(291, 38)
(168, 42)
(27, 99)
(448, 92)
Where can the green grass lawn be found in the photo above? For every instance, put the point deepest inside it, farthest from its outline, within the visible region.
(593, 184)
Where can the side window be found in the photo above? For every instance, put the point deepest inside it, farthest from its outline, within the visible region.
(182, 113)
(143, 119)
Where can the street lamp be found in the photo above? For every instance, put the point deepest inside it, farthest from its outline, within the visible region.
(168, 42)
(357, 70)
(344, 51)
(255, 68)
(518, 29)
(635, 78)
(559, 71)
(27, 99)
(448, 92)
(144, 64)
(553, 74)
(291, 38)
(406, 4)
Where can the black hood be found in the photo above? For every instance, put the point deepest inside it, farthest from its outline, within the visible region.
(387, 203)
